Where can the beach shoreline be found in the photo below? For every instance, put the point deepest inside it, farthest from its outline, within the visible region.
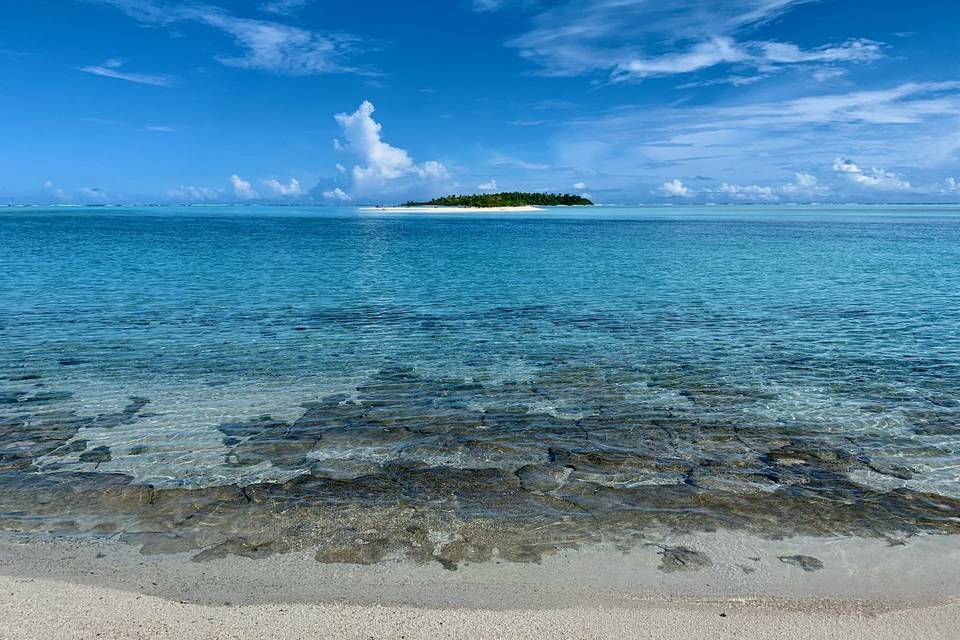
(441, 209)
(828, 587)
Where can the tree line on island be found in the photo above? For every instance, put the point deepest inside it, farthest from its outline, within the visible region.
(506, 199)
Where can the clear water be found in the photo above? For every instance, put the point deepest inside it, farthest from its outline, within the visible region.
(704, 362)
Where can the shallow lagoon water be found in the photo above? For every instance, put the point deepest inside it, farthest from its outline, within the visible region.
(449, 387)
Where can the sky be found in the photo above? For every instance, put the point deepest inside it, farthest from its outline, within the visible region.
(625, 101)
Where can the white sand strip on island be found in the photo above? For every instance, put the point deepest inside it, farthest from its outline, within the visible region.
(50, 610)
(430, 209)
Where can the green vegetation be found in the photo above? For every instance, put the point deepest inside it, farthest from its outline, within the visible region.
(508, 199)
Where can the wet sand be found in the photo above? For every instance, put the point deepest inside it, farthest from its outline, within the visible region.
(716, 585)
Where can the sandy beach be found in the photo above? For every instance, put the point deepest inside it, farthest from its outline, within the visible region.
(748, 588)
(45, 609)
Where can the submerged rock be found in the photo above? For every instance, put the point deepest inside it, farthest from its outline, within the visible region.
(683, 559)
(807, 563)
(543, 478)
(97, 455)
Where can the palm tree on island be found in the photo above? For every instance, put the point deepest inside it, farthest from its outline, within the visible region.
(505, 199)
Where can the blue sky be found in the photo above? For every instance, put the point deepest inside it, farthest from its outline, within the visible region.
(684, 101)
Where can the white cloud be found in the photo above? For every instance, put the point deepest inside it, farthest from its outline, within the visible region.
(874, 178)
(336, 194)
(488, 186)
(267, 45)
(432, 169)
(904, 104)
(580, 185)
(162, 129)
(841, 165)
(761, 55)
(380, 166)
(741, 141)
(952, 185)
(113, 69)
(823, 74)
(280, 48)
(857, 50)
(748, 192)
(55, 191)
(803, 183)
(675, 189)
(242, 188)
(383, 162)
(635, 39)
(190, 193)
(805, 180)
(283, 7)
(292, 189)
(701, 56)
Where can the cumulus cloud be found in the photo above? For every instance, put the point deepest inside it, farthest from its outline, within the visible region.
(291, 189)
(242, 188)
(749, 192)
(432, 169)
(379, 166)
(381, 161)
(113, 69)
(488, 186)
(580, 185)
(802, 183)
(805, 180)
(952, 186)
(873, 178)
(336, 194)
(675, 189)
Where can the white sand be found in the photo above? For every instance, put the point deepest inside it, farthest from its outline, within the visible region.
(429, 209)
(49, 609)
(867, 588)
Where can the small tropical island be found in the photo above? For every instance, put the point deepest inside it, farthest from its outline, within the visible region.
(505, 199)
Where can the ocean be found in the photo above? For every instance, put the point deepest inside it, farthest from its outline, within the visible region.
(462, 387)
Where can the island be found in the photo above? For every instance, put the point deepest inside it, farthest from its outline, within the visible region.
(505, 199)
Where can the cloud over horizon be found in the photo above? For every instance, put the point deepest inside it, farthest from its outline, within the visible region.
(675, 101)
(379, 168)
(243, 189)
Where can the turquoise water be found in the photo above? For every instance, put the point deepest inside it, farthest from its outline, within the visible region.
(790, 367)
